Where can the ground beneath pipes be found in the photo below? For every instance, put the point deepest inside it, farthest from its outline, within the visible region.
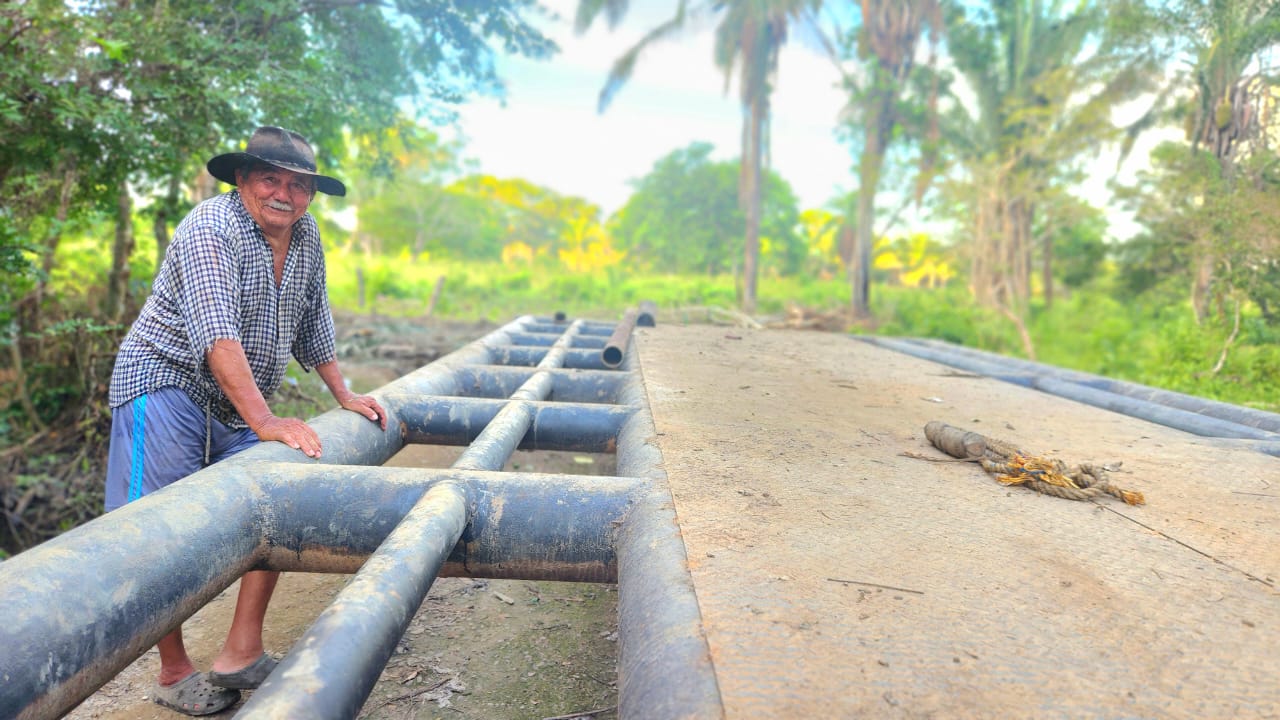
(476, 649)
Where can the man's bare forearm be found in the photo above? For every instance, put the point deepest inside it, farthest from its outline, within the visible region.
(366, 405)
(332, 378)
(231, 369)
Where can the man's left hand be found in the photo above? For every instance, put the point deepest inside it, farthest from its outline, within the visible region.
(368, 407)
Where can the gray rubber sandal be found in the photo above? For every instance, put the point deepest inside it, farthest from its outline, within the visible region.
(194, 695)
(246, 678)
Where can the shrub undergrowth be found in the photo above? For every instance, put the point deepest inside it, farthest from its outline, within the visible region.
(1152, 340)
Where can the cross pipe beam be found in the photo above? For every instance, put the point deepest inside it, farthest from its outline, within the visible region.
(334, 666)
(336, 663)
(81, 607)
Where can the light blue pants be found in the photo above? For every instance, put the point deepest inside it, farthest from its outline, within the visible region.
(159, 438)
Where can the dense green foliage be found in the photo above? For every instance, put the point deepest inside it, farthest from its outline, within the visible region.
(684, 217)
(1100, 329)
(116, 91)
(101, 100)
(1191, 209)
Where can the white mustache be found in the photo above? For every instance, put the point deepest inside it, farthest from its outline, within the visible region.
(285, 207)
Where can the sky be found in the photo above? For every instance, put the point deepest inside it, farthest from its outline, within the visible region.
(548, 130)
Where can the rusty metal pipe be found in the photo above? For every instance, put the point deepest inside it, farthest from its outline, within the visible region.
(616, 348)
(648, 314)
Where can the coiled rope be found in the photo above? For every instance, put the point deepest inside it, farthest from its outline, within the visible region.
(1011, 466)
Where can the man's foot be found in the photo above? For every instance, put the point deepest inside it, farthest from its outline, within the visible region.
(246, 678)
(194, 695)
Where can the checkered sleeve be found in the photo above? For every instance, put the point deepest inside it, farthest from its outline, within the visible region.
(315, 343)
(210, 288)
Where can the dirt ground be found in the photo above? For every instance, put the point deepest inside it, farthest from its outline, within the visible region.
(476, 648)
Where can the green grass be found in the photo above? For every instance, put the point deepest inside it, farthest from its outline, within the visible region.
(1153, 340)
(1150, 339)
(1143, 341)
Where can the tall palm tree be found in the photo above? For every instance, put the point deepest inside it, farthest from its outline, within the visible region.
(1045, 75)
(748, 40)
(889, 34)
(1225, 38)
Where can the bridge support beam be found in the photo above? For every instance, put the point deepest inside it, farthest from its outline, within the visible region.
(78, 609)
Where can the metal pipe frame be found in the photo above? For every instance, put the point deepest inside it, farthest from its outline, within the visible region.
(581, 386)
(616, 347)
(83, 606)
(1199, 416)
(1223, 411)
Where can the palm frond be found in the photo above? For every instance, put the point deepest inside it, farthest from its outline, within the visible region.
(625, 65)
(589, 10)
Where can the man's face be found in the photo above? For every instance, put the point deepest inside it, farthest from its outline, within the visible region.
(274, 197)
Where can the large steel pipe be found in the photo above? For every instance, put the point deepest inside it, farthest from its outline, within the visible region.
(664, 663)
(551, 426)
(500, 437)
(523, 526)
(616, 348)
(331, 670)
(578, 358)
(81, 607)
(545, 339)
(1223, 411)
(586, 327)
(571, 386)
(1153, 412)
(648, 314)
(334, 667)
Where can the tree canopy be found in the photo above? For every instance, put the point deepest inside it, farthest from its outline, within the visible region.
(102, 102)
(748, 41)
(684, 216)
(96, 93)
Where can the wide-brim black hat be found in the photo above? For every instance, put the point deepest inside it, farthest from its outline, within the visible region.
(282, 148)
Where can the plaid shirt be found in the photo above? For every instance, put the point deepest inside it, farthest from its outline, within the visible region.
(217, 282)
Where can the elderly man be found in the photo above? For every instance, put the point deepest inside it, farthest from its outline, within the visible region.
(242, 287)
